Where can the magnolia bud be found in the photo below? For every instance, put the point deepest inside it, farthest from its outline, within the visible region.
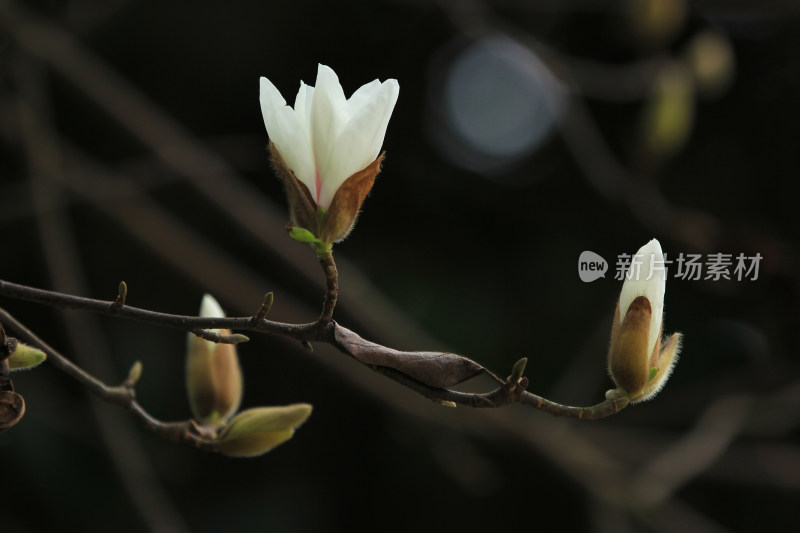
(638, 360)
(257, 431)
(25, 356)
(213, 376)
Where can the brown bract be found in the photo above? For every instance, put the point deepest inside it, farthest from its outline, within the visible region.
(344, 208)
(302, 208)
(347, 202)
(214, 380)
(628, 357)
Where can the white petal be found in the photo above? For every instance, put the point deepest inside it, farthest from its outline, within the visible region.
(329, 115)
(302, 106)
(287, 133)
(209, 307)
(651, 261)
(364, 94)
(360, 142)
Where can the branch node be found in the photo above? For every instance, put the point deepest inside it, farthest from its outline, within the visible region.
(204, 432)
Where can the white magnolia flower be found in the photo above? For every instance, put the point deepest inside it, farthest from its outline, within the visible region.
(646, 277)
(326, 138)
(639, 361)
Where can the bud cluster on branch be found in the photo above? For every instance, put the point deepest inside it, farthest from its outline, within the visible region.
(326, 150)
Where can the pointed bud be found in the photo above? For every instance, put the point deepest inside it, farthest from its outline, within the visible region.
(518, 369)
(637, 360)
(25, 357)
(213, 376)
(269, 299)
(236, 338)
(257, 431)
(134, 373)
(122, 293)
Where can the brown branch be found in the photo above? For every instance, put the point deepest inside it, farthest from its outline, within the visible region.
(182, 322)
(437, 369)
(121, 395)
(503, 395)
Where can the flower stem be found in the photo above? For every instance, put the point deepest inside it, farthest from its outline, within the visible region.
(332, 286)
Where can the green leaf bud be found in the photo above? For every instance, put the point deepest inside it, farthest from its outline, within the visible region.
(256, 431)
(302, 235)
(25, 357)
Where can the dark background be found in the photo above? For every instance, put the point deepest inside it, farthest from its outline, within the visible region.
(132, 147)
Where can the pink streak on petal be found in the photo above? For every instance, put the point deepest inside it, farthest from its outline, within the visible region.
(318, 184)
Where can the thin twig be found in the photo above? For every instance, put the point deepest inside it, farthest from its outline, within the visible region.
(119, 395)
(186, 323)
(331, 287)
